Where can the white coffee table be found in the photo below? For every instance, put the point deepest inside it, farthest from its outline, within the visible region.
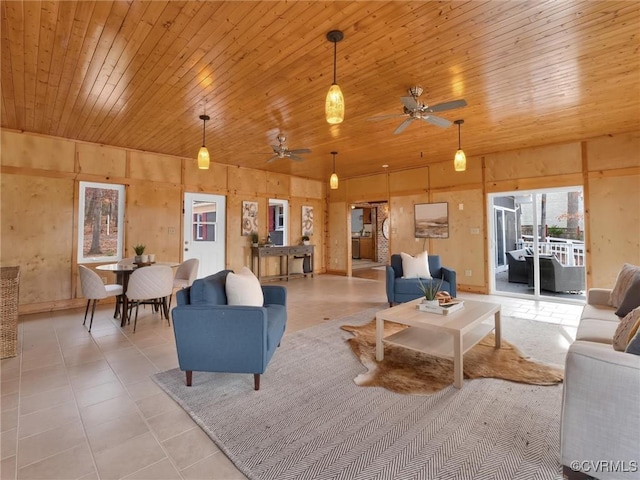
(447, 336)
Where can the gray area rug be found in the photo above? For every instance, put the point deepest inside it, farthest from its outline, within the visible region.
(310, 421)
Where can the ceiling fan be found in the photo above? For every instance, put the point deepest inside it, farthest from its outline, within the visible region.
(416, 110)
(282, 151)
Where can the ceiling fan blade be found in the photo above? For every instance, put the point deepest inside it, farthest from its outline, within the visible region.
(409, 102)
(438, 121)
(447, 106)
(275, 157)
(296, 158)
(300, 150)
(386, 117)
(403, 125)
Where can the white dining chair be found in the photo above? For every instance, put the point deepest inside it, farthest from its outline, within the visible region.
(150, 285)
(94, 289)
(186, 273)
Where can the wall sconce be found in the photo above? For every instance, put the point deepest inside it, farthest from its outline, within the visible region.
(460, 160)
(333, 181)
(334, 104)
(203, 154)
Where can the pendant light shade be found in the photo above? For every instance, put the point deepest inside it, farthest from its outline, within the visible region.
(460, 160)
(203, 154)
(334, 103)
(333, 181)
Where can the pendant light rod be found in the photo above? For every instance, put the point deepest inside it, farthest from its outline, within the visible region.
(335, 36)
(334, 161)
(204, 119)
(459, 122)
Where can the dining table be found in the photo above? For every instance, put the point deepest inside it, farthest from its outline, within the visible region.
(123, 272)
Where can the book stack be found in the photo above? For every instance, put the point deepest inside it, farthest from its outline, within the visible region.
(443, 309)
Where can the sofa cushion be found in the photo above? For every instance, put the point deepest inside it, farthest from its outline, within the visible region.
(624, 280)
(594, 330)
(625, 329)
(600, 312)
(243, 288)
(631, 299)
(210, 290)
(415, 267)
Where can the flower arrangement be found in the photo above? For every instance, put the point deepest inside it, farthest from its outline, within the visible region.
(305, 239)
(430, 290)
(139, 249)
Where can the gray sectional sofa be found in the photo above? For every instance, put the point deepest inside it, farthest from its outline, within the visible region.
(601, 400)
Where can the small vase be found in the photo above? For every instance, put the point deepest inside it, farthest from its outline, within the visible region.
(144, 258)
(152, 258)
(137, 259)
(305, 242)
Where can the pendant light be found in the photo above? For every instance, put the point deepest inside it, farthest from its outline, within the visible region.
(203, 154)
(333, 181)
(460, 160)
(334, 104)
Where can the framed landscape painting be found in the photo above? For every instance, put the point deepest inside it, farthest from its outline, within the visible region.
(431, 220)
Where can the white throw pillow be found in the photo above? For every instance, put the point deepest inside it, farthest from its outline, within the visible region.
(243, 288)
(415, 267)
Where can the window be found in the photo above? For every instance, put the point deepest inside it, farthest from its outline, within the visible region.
(100, 222)
(204, 221)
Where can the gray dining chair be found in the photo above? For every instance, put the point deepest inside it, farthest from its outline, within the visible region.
(93, 289)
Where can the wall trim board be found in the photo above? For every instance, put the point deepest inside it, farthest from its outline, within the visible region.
(458, 188)
(587, 214)
(616, 172)
(566, 180)
(413, 191)
(473, 289)
(29, 308)
(342, 273)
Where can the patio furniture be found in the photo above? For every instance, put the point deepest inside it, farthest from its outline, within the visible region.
(518, 266)
(555, 277)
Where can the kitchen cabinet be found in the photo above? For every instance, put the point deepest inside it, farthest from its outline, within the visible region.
(366, 248)
(366, 216)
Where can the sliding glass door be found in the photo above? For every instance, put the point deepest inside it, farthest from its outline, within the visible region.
(537, 243)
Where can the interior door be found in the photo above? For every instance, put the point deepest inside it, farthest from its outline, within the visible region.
(204, 231)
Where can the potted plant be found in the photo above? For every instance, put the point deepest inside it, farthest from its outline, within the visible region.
(139, 249)
(430, 291)
(305, 239)
(254, 239)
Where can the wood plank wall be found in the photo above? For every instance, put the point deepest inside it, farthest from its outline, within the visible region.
(39, 188)
(608, 168)
(39, 201)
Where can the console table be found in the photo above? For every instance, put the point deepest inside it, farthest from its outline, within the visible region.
(285, 254)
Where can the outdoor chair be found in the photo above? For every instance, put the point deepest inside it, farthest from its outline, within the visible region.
(555, 277)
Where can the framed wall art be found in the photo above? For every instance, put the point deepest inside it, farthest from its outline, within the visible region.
(249, 218)
(307, 221)
(431, 220)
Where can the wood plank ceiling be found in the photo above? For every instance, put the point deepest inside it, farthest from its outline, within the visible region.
(138, 74)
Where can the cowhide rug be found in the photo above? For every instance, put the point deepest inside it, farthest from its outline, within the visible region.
(410, 372)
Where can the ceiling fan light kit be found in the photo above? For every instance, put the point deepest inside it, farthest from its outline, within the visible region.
(460, 159)
(333, 181)
(203, 154)
(334, 103)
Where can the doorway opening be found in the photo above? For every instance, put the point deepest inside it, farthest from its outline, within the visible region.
(369, 243)
(537, 244)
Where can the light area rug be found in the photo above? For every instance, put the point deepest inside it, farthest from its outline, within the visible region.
(309, 420)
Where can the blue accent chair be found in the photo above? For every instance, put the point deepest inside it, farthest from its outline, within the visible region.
(400, 290)
(212, 336)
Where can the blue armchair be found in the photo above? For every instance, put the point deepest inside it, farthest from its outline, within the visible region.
(400, 290)
(212, 336)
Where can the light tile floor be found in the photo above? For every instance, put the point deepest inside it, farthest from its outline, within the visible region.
(76, 405)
